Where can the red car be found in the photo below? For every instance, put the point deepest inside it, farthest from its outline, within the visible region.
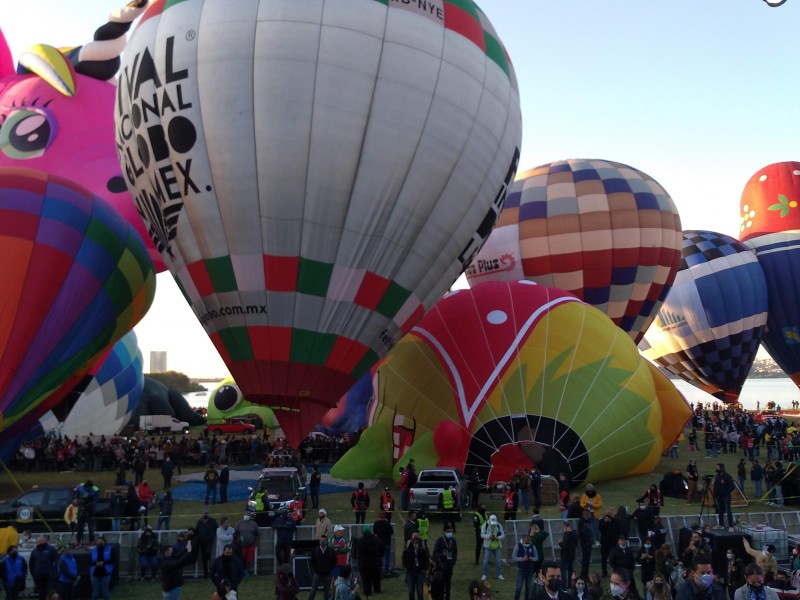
(233, 425)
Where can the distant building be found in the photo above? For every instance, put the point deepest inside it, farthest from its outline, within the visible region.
(158, 361)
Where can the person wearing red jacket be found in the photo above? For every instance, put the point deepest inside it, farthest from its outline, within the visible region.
(387, 504)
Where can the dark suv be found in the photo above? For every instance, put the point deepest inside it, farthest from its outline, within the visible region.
(273, 492)
(49, 502)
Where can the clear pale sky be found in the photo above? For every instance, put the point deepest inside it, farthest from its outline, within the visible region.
(699, 94)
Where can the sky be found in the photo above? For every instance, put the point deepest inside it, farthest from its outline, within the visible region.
(699, 94)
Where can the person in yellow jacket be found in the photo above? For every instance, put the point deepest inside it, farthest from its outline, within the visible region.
(593, 502)
(71, 515)
(423, 525)
(764, 558)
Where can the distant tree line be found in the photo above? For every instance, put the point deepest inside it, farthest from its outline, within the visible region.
(176, 381)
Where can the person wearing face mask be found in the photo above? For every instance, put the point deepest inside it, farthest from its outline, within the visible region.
(526, 557)
(643, 515)
(579, 590)
(754, 588)
(247, 532)
(621, 586)
(723, 488)
(445, 551)
(101, 565)
(492, 533)
(764, 558)
(647, 560)
(322, 563)
(621, 556)
(734, 578)
(658, 589)
(551, 576)
(699, 583)
(593, 501)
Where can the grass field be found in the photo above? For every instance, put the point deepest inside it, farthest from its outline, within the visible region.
(614, 493)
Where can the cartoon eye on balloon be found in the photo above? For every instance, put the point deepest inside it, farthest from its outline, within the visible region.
(310, 232)
(511, 375)
(227, 400)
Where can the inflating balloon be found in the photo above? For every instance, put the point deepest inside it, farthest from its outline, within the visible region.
(514, 374)
(709, 329)
(604, 231)
(227, 400)
(771, 228)
(350, 414)
(315, 175)
(58, 115)
(77, 278)
(110, 397)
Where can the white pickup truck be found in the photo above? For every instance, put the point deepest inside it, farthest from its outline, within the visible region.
(162, 423)
(424, 494)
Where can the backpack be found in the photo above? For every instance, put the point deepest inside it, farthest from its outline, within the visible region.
(361, 499)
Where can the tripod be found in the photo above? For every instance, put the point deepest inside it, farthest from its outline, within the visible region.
(706, 502)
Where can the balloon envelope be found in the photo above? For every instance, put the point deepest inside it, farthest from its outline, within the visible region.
(76, 279)
(110, 397)
(514, 374)
(710, 327)
(227, 400)
(604, 231)
(769, 201)
(369, 156)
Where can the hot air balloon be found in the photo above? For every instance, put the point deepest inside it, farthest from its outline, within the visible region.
(315, 176)
(709, 329)
(76, 278)
(58, 115)
(109, 398)
(508, 375)
(602, 230)
(350, 414)
(227, 400)
(770, 226)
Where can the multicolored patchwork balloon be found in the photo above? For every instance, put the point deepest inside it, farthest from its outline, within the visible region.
(710, 327)
(511, 375)
(606, 232)
(315, 175)
(76, 278)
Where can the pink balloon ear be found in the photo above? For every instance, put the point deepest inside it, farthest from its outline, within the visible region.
(6, 62)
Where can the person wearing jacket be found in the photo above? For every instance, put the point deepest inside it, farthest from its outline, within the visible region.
(164, 510)
(415, 561)
(344, 587)
(385, 531)
(206, 528)
(101, 566)
(87, 494)
(609, 534)
(172, 567)
(569, 549)
(224, 480)
(224, 535)
(370, 560)
(116, 507)
(699, 583)
(148, 553)
(323, 525)
(526, 557)
(764, 558)
(621, 556)
(445, 551)
(322, 563)
(286, 586)
(15, 571)
(754, 586)
(67, 570)
(42, 566)
(492, 534)
(227, 566)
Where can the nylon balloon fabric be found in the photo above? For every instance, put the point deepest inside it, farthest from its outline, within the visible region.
(604, 231)
(77, 278)
(315, 175)
(710, 327)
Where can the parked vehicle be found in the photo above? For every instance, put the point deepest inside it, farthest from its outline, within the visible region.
(162, 423)
(31, 509)
(274, 492)
(232, 425)
(424, 494)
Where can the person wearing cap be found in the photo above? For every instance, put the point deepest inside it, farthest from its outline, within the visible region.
(387, 503)
(322, 564)
(370, 558)
(621, 556)
(87, 494)
(384, 530)
(247, 530)
(341, 550)
(147, 549)
(206, 529)
(492, 534)
(323, 525)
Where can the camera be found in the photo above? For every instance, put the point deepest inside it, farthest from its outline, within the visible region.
(708, 478)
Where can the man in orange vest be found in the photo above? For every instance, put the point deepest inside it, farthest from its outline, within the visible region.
(387, 503)
(296, 510)
(511, 503)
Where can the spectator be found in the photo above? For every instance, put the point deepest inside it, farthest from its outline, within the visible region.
(699, 583)
(284, 527)
(416, 561)
(609, 535)
(132, 505)
(322, 564)
(621, 586)
(172, 567)
(658, 588)
(71, 515)
(387, 503)
(286, 587)
(164, 510)
(211, 477)
(593, 501)
(370, 560)
(15, 570)
(340, 549)
(167, 469)
(652, 499)
(569, 547)
(478, 519)
(405, 488)
(536, 489)
(42, 566)
(723, 488)
(621, 556)
(754, 586)
(552, 586)
(764, 559)
(647, 561)
(526, 557)
(247, 532)
(423, 524)
(384, 530)
(116, 506)
(445, 551)
(360, 503)
(224, 480)
(206, 529)
(757, 476)
(101, 566)
(148, 553)
(344, 586)
(224, 535)
(474, 487)
(410, 527)
(87, 494)
(146, 496)
(586, 541)
(313, 486)
(511, 503)
(523, 490)
(227, 567)
(323, 526)
(67, 570)
(492, 534)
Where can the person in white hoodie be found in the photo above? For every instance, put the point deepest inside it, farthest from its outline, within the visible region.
(492, 534)
(224, 535)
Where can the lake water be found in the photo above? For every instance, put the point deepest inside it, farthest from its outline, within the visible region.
(780, 390)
